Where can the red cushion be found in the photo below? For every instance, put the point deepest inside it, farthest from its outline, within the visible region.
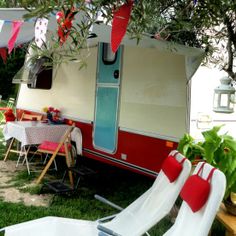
(195, 192)
(172, 168)
(52, 146)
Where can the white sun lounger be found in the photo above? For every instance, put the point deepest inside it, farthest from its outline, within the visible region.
(189, 223)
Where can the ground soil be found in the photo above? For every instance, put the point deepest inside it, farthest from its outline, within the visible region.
(10, 193)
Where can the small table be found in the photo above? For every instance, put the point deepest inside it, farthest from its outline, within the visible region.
(229, 221)
(31, 133)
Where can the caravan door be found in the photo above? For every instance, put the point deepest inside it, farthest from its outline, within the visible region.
(107, 99)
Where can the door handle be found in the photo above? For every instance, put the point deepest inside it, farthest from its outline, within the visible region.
(116, 74)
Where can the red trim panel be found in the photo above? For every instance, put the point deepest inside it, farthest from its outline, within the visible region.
(140, 150)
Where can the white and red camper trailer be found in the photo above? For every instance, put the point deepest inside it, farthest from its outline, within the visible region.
(132, 107)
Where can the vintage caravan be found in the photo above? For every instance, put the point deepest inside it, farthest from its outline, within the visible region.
(132, 107)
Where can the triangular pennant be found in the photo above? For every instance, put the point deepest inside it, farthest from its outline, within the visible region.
(14, 33)
(3, 53)
(119, 24)
(1, 25)
(40, 31)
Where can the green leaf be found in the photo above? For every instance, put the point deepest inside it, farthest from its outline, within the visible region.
(230, 144)
(212, 135)
(185, 144)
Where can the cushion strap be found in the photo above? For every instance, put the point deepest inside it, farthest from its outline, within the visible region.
(200, 169)
(210, 174)
(175, 154)
(182, 161)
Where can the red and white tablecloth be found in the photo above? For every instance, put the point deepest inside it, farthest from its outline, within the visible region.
(33, 132)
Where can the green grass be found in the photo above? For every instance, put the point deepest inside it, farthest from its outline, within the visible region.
(119, 186)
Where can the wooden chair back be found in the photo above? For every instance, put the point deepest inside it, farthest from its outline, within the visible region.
(25, 116)
(64, 141)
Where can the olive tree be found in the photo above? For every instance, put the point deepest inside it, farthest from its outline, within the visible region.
(206, 24)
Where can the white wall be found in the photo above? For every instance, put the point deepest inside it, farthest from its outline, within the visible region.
(203, 84)
(73, 91)
(153, 92)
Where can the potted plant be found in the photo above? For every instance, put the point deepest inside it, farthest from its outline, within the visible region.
(219, 150)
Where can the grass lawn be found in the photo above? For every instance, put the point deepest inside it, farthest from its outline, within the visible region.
(119, 186)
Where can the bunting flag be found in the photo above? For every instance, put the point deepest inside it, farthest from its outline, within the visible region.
(119, 24)
(3, 53)
(1, 25)
(40, 31)
(16, 25)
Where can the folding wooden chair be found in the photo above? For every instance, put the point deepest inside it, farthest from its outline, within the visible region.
(32, 117)
(61, 148)
(24, 150)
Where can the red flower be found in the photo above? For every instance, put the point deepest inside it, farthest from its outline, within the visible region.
(50, 109)
(56, 111)
(64, 21)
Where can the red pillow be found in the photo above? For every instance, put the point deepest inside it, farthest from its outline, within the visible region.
(196, 190)
(172, 168)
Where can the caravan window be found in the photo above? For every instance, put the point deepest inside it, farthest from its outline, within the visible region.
(108, 56)
(40, 74)
(42, 80)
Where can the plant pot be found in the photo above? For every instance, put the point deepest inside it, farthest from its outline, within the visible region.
(231, 208)
(233, 197)
(196, 160)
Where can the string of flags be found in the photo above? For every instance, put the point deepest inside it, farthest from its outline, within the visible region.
(65, 20)
(15, 30)
(40, 33)
(120, 22)
(3, 53)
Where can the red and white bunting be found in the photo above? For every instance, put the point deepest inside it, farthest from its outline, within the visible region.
(119, 24)
(1, 25)
(16, 25)
(3, 54)
(40, 31)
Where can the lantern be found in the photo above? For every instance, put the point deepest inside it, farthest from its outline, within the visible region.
(224, 96)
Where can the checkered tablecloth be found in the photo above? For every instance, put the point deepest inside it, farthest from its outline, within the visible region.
(33, 132)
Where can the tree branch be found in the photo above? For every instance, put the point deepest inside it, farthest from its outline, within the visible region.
(230, 44)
